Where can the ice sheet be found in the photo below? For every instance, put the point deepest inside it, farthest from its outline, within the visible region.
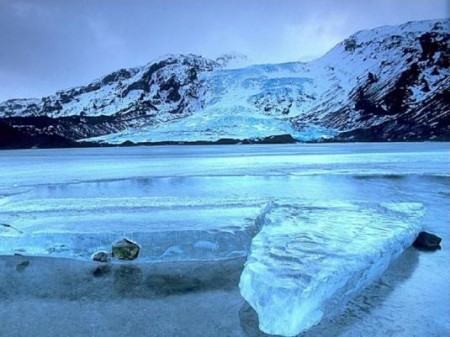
(166, 228)
(38, 187)
(23, 168)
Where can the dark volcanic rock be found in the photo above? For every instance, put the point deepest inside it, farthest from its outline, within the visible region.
(427, 241)
(10, 136)
(277, 139)
(13, 138)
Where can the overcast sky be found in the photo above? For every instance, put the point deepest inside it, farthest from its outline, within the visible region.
(48, 45)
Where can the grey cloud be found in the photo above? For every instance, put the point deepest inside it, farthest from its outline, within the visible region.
(47, 45)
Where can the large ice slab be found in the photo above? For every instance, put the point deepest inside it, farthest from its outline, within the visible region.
(308, 261)
(168, 229)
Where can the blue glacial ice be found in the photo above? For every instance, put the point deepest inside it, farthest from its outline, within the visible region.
(308, 261)
(168, 229)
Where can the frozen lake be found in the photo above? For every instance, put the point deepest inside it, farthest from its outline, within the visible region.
(199, 203)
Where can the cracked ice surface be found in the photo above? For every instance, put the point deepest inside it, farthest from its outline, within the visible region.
(310, 260)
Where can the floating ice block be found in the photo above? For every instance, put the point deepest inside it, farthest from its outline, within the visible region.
(308, 261)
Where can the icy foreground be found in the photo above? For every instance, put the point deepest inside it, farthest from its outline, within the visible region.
(307, 262)
(176, 192)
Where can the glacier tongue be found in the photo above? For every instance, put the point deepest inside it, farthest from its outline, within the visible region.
(308, 261)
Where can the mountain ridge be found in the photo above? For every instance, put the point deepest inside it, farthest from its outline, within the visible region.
(386, 84)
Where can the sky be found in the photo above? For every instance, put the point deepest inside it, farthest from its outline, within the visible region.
(50, 45)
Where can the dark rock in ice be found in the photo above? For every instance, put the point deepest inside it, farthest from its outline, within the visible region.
(100, 256)
(125, 249)
(427, 241)
(22, 266)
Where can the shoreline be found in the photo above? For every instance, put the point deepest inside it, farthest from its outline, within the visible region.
(270, 140)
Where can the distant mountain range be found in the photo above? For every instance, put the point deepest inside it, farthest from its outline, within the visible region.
(386, 84)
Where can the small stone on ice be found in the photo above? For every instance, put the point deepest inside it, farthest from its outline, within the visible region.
(100, 256)
(427, 241)
(125, 249)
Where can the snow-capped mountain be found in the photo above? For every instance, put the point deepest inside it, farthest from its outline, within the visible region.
(389, 83)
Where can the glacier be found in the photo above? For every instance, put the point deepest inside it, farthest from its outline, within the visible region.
(308, 261)
(232, 109)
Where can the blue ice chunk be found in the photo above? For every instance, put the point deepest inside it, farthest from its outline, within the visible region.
(307, 262)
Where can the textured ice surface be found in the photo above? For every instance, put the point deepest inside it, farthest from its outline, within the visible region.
(167, 229)
(72, 201)
(310, 260)
(46, 189)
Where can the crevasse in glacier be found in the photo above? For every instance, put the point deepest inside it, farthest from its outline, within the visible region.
(309, 260)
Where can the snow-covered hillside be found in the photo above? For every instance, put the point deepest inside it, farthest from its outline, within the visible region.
(390, 83)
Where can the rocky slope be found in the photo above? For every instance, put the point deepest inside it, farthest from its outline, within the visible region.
(390, 83)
